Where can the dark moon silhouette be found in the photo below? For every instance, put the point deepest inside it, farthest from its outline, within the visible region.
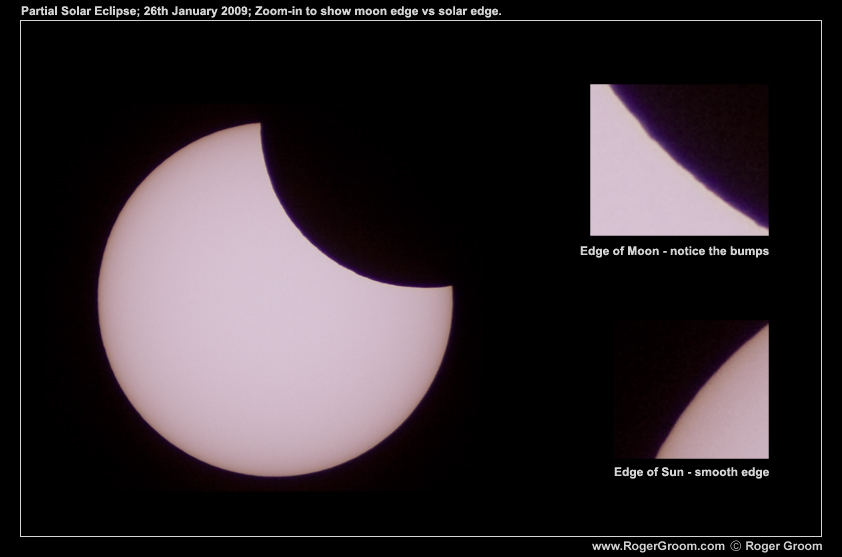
(384, 195)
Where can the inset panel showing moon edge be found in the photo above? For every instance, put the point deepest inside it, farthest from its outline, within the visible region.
(679, 160)
(239, 341)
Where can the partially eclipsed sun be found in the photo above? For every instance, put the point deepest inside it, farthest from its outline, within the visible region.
(240, 342)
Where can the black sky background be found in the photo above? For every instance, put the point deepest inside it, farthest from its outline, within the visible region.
(522, 428)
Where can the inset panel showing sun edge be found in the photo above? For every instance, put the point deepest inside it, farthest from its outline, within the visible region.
(729, 417)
